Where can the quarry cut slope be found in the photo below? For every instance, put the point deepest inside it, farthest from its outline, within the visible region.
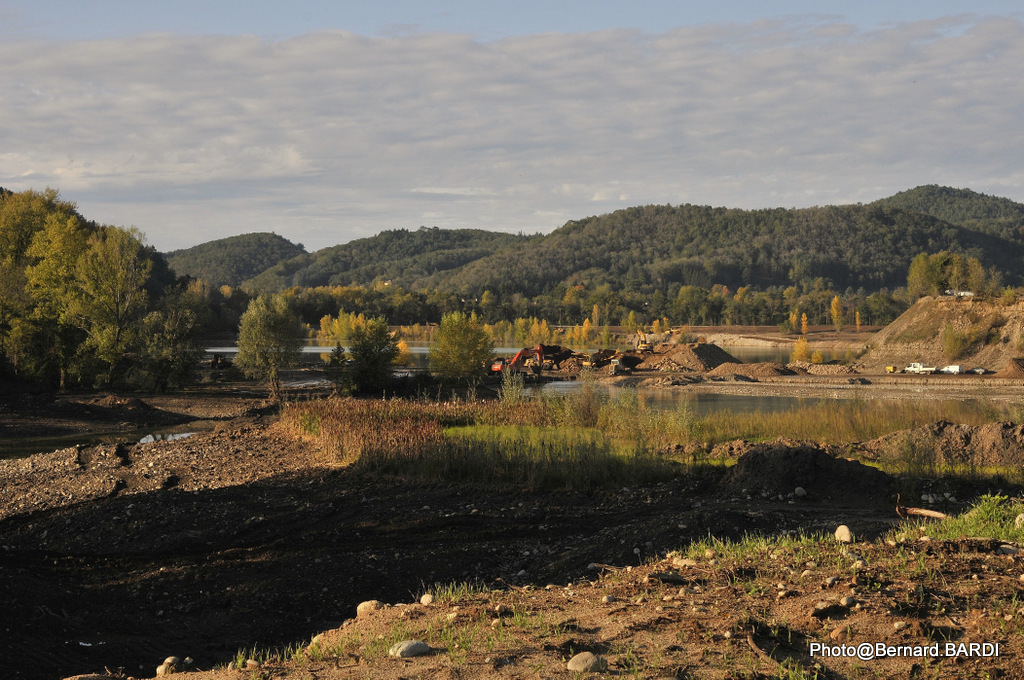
(987, 334)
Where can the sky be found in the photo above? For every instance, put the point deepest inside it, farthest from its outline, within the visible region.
(330, 121)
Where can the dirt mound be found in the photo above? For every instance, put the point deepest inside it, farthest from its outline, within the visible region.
(692, 357)
(1014, 369)
(125, 403)
(946, 443)
(761, 370)
(802, 367)
(780, 467)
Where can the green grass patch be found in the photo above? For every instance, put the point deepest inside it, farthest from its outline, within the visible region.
(530, 458)
(993, 516)
(456, 591)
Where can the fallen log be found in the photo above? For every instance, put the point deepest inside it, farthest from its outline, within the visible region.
(905, 512)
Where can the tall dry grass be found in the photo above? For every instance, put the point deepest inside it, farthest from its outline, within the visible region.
(580, 440)
(528, 446)
(842, 421)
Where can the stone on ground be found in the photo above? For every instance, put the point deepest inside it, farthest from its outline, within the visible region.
(587, 662)
(409, 648)
(843, 534)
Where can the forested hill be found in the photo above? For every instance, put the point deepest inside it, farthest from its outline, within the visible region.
(662, 247)
(988, 214)
(234, 259)
(854, 246)
(406, 258)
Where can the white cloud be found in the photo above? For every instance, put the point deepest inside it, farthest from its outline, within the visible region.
(333, 136)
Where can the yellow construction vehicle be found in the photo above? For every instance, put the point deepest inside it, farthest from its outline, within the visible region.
(642, 343)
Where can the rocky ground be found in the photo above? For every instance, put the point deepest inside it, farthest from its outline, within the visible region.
(115, 556)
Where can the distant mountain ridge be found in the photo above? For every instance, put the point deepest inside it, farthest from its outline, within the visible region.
(662, 247)
(406, 258)
(234, 259)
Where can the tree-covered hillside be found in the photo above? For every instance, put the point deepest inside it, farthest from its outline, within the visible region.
(646, 249)
(234, 259)
(405, 258)
(655, 246)
(987, 214)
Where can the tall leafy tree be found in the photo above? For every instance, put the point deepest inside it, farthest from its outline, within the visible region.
(169, 347)
(52, 285)
(269, 340)
(373, 351)
(461, 348)
(111, 296)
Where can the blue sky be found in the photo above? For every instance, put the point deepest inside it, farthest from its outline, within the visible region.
(330, 121)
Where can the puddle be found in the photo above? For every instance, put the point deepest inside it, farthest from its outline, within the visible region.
(27, 446)
(165, 437)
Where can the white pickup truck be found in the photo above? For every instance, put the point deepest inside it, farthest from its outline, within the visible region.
(919, 368)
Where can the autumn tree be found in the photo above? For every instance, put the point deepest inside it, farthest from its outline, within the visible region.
(801, 350)
(836, 310)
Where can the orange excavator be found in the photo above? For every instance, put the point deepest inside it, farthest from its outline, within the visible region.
(526, 360)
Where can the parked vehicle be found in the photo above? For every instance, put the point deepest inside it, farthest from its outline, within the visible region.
(920, 368)
(955, 369)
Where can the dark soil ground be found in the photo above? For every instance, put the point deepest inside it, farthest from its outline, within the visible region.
(118, 555)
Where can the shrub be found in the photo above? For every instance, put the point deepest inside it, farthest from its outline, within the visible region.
(954, 343)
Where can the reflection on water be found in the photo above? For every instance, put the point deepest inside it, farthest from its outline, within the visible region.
(778, 355)
(19, 448)
(699, 403)
(420, 350)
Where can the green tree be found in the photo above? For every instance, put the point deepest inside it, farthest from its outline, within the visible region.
(22, 215)
(269, 340)
(373, 351)
(52, 285)
(922, 278)
(110, 294)
(461, 348)
(169, 347)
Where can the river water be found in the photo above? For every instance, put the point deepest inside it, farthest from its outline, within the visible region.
(698, 403)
